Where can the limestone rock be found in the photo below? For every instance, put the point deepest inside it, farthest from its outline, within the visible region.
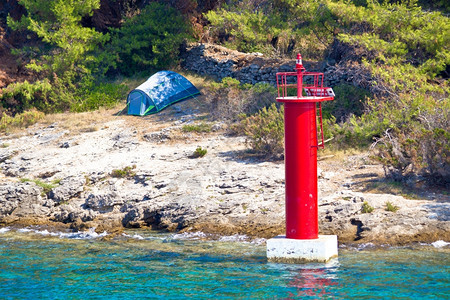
(22, 199)
(68, 188)
(104, 202)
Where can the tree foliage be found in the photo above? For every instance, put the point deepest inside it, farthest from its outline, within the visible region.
(58, 24)
(402, 50)
(273, 27)
(407, 51)
(65, 63)
(148, 40)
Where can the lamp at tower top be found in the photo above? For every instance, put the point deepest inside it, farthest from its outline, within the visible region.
(299, 63)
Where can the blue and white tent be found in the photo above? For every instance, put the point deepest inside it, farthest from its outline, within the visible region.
(159, 91)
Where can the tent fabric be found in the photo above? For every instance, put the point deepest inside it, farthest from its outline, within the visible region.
(159, 91)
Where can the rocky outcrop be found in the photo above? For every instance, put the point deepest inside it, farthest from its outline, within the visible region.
(414, 221)
(22, 201)
(220, 62)
(120, 176)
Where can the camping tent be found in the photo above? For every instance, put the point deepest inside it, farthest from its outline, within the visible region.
(159, 91)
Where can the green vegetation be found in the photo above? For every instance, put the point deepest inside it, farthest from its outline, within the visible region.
(397, 53)
(199, 152)
(71, 60)
(46, 187)
(395, 188)
(366, 208)
(65, 62)
(24, 119)
(391, 207)
(279, 27)
(199, 128)
(265, 131)
(126, 172)
(148, 40)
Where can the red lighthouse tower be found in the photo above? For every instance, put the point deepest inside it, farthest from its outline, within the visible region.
(302, 94)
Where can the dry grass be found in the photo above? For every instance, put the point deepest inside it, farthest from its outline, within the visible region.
(394, 188)
(200, 82)
(83, 122)
(331, 154)
(95, 120)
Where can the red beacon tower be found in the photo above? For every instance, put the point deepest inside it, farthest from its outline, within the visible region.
(301, 91)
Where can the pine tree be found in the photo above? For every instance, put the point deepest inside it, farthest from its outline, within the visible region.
(66, 59)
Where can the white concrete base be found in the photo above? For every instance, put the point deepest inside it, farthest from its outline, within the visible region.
(281, 249)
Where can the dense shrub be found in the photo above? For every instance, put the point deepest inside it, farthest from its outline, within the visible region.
(148, 40)
(22, 120)
(406, 50)
(22, 96)
(273, 27)
(420, 146)
(265, 131)
(64, 64)
(199, 152)
(350, 100)
(70, 45)
(96, 96)
(126, 172)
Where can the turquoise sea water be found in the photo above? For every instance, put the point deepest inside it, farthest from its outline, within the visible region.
(35, 264)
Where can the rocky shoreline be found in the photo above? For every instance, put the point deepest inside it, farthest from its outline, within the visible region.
(125, 172)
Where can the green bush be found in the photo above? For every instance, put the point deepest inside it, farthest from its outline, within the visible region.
(405, 51)
(279, 27)
(46, 187)
(65, 61)
(419, 145)
(391, 207)
(92, 97)
(350, 100)
(21, 96)
(245, 30)
(366, 208)
(68, 45)
(126, 172)
(199, 152)
(148, 40)
(265, 131)
(22, 120)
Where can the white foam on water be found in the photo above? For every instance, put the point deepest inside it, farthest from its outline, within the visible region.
(365, 246)
(189, 235)
(82, 235)
(135, 236)
(259, 241)
(440, 244)
(4, 229)
(234, 238)
(198, 235)
(242, 238)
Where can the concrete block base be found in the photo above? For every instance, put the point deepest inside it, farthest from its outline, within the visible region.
(283, 250)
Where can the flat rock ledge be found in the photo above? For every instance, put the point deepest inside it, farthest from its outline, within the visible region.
(116, 177)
